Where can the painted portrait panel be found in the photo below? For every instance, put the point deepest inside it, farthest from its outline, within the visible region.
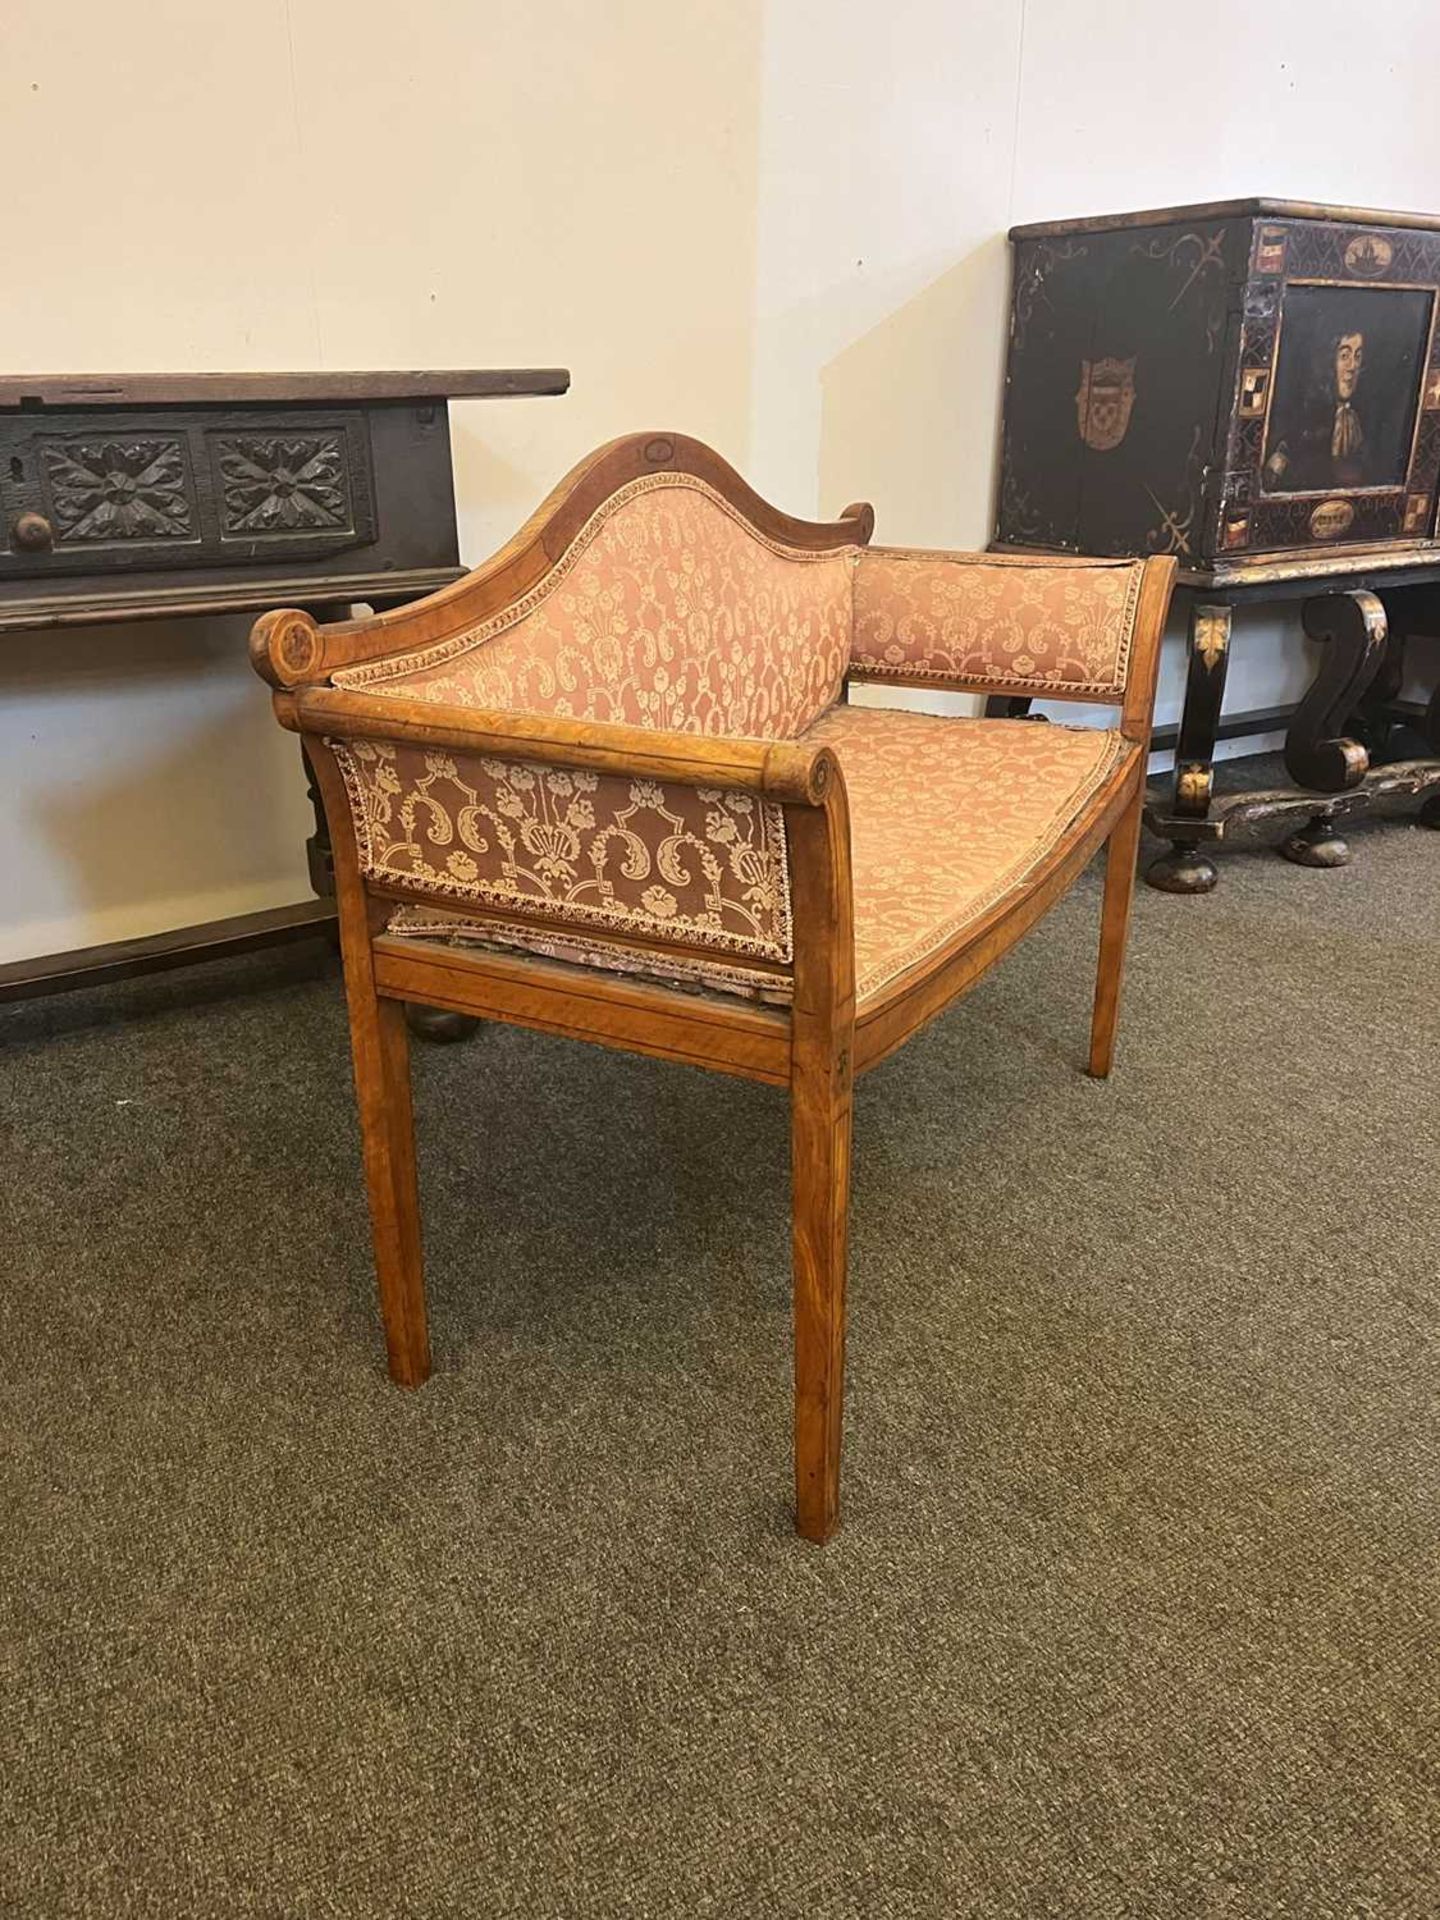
(1347, 383)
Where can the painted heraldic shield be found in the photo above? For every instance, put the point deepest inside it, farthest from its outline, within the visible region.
(1103, 403)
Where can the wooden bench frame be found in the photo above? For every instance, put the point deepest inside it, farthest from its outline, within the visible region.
(814, 1046)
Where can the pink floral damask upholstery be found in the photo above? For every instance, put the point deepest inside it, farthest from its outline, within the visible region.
(667, 610)
(596, 851)
(946, 816)
(1016, 626)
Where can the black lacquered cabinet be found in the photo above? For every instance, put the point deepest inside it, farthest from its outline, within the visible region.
(1253, 386)
(1237, 384)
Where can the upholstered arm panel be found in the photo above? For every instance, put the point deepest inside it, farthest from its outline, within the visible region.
(1063, 627)
(597, 853)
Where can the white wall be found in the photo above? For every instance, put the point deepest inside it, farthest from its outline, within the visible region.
(898, 146)
(321, 184)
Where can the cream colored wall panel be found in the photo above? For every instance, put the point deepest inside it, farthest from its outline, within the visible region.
(321, 185)
(887, 143)
(155, 208)
(148, 786)
(1127, 104)
(774, 223)
(573, 188)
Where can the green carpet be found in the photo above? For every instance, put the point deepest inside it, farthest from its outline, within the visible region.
(1136, 1608)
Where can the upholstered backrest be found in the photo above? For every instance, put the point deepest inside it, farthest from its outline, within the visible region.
(1061, 627)
(668, 609)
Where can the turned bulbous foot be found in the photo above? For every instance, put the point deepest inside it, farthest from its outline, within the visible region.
(1182, 870)
(1317, 844)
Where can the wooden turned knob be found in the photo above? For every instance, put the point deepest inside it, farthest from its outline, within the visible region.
(32, 533)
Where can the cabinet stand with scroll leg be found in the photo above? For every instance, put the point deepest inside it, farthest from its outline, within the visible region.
(1185, 869)
(1391, 727)
(1340, 740)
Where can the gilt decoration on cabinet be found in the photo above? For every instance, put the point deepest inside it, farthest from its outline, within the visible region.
(1254, 378)
(1253, 386)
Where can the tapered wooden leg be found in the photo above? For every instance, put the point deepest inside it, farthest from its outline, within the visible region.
(822, 1032)
(1121, 851)
(820, 1128)
(381, 1048)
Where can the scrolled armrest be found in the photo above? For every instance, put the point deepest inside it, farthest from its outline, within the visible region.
(781, 770)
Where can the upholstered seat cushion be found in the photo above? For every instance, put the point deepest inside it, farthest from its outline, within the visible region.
(947, 815)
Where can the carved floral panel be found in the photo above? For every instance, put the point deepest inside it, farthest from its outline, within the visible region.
(116, 487)
(283, 483)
